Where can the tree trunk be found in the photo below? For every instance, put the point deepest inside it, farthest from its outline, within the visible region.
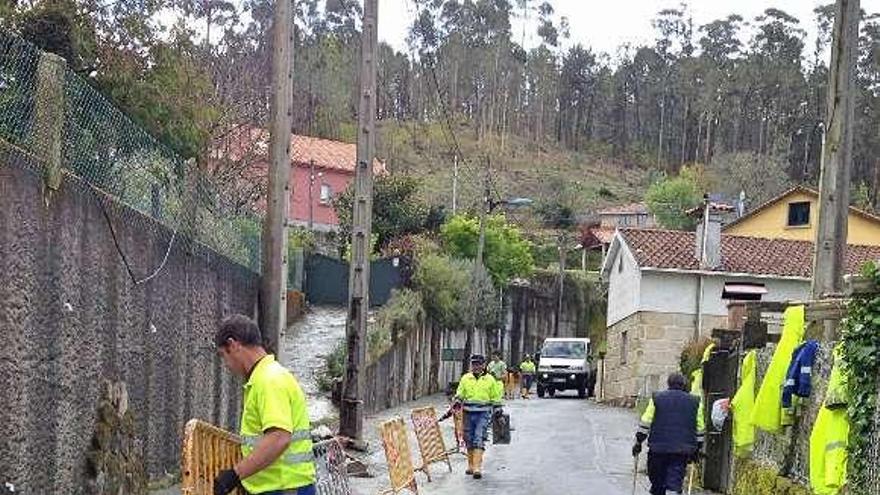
(687, 111)
(699, 137)
(660, 134)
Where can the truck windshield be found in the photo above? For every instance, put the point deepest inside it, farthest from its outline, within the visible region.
(568, 350)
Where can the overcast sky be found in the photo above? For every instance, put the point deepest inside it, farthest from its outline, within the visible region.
(604, 25)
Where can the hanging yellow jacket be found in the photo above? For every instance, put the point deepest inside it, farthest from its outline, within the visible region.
(741, 407)
(830, 436)
(767, 414)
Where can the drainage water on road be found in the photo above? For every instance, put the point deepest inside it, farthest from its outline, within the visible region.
(303, 348)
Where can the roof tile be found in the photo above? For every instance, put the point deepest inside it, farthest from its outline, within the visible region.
(672, 249)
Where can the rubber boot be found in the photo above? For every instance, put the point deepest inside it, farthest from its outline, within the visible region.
(478, 463)
(470, 468)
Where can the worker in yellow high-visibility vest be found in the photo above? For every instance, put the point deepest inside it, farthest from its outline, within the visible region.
(480, 395)
(527, 368)
(275, 431)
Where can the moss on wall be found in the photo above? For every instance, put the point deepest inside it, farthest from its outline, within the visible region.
(753, 478)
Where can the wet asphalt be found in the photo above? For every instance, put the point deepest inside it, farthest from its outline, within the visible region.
(560, 446)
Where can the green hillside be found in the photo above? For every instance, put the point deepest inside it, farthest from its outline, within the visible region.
(584, 180)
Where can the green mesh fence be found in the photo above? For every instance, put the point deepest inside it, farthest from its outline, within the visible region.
(71, 133)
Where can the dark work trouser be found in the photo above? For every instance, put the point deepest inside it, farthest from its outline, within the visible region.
(666, 472)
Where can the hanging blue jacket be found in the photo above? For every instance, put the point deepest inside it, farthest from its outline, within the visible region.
(799, 379)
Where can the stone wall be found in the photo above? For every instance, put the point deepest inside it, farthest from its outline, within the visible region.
(72, 320)
(653, 343)
(533, 308)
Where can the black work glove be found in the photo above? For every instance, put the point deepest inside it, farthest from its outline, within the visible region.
(225, 482)
(499, 412)
(637, 449)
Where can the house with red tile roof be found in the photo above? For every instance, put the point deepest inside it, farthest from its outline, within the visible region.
(320, 170)
(665, 288)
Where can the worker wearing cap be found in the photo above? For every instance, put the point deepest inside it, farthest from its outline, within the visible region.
(479, 394)
(276, 437)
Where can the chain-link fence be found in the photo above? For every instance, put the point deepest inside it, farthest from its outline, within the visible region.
(61, 127)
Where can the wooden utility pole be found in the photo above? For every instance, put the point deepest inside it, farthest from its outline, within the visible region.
(273, 290)
(351, 420)
(478, 265)
(834, 194)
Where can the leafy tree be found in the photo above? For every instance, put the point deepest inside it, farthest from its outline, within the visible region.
(456, 293)
(506, 254)
(440, 279)
(397, 209)
(670, 198)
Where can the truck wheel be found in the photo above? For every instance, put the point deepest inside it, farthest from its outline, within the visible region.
(540, 392)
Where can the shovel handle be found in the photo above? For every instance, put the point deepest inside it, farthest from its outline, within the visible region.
(690, 478)
(635, 472)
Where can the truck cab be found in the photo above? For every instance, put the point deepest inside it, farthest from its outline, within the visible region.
(564, 364)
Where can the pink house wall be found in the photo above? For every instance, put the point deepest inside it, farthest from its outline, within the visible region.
(323, 213)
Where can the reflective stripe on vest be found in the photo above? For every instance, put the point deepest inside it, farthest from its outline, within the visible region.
(251, 441)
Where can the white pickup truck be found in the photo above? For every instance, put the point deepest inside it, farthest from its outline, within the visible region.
(564, 364)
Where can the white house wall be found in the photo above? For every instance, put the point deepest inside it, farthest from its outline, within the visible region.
(663, 292)
(623, 286)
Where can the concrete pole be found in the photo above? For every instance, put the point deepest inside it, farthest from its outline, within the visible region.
(834, 194)
(273, 289)
(351, 420)
(561, 288)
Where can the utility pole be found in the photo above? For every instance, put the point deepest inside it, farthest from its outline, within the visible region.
(834, 194)
(311, 195)
(478, 265)
(273, 287)
(351, 420)
(561, 247)
(454, 183)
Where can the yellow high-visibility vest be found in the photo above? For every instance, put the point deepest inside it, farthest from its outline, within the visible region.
(274, 399)
(741, 407)
(830, 436)
(767, 413)
(479, 394)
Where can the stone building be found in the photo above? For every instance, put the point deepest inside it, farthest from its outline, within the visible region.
(665, 289)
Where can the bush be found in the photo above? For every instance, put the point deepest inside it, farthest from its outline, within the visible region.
(455, 294)
(334, 367)
(402, 314)
(441, 279)
(692, 355)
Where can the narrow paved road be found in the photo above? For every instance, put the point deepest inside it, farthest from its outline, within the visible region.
(561, 446)
(303, 348)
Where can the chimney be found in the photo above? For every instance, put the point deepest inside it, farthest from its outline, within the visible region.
(708, 237)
